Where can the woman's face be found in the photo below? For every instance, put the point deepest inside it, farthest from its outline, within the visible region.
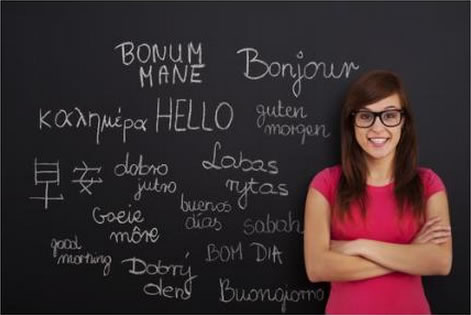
(379, 141)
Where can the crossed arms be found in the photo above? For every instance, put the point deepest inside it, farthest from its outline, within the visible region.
(430, 253)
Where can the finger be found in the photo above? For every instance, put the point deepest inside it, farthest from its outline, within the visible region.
(432, 221)
(436, 228)
(440, 240)
(439, 228)
(441, 234)
(432, 232)
(431, 236)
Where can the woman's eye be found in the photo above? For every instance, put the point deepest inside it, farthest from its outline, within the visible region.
(390, 115)
(365, 116)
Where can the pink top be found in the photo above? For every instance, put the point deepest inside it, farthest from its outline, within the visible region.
(393, 293)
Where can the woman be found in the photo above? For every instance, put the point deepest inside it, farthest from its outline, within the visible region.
(376, 223)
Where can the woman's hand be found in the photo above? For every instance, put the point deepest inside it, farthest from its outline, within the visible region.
(432, 232)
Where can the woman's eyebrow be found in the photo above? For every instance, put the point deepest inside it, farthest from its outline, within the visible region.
(387, 107)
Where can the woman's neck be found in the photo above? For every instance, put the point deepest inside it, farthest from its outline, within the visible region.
(380, 171)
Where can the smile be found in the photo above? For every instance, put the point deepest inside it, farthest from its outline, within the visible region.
(378, 142)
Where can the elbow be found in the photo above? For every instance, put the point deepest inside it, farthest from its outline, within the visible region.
(314, 274)
(446, 265)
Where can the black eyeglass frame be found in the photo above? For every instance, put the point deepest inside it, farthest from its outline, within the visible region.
(378, 114)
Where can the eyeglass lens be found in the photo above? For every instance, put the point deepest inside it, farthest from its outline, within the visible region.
(389, 118)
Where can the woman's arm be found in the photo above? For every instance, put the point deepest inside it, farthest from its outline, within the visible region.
(416, 258)
(323, 264)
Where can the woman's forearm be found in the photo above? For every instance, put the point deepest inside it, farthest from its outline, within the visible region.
(416, 259)
(332, 266)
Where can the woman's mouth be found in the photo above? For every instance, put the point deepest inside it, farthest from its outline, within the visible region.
(378, 142)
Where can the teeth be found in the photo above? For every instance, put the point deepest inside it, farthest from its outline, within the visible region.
(378, 140)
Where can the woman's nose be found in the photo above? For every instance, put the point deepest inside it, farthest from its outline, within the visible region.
(377, 123)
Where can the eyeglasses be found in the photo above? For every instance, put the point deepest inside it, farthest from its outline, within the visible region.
(366, 119)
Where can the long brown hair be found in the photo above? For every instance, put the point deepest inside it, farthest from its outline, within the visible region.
(369, 88)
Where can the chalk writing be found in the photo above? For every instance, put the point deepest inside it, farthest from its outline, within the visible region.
(201, 213)
(180, 116)
(267, 253)
(285, 129)
(257, 69)
(270, 226)
(78, 258)
(66, 243)
(227, 253)
(198, 221)
(204, 206)
(180, 68)
(62, 118)
(136, 236)
(253, 187)
(122, 217)
(46, 173)
(241, 162)
(224, 253)
(228, 294)
(83, 181)
(140, 169)
(139, 267)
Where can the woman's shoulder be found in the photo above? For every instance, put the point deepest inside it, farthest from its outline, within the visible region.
(327, 176)
(431, 180)
(326, 182)
(427, 174)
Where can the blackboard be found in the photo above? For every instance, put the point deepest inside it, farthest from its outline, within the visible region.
(156, 155)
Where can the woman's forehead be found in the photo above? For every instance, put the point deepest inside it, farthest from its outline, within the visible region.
(390, 102)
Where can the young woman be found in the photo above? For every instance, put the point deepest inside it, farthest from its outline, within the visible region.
(376, 223)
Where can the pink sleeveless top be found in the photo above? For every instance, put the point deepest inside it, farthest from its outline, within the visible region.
(394, 293)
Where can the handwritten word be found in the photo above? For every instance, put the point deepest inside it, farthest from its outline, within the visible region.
(254, 187)
(46, 174)
(140, 267)
(170, 74)
(121, 217)
(67, 243)
(242, 163)
(197, 207)
(181, 111)
(267, 253)
(229, 294)
(154, 186)
(279, 111)
(78, 259)
(224, 253)
(136, 236)
(176, 72)
(141, 169)
(77, 119)
(204, 206)
(88, 259)
(271, 226)
(199, 222)
(256, 69)
(145, 53)
(230, 253)
(288, 129)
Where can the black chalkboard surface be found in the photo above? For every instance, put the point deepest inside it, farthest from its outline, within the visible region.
(156, 155)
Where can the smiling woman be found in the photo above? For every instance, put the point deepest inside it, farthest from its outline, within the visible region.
(376, 223)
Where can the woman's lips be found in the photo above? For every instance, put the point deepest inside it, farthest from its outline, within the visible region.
(378, 142)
